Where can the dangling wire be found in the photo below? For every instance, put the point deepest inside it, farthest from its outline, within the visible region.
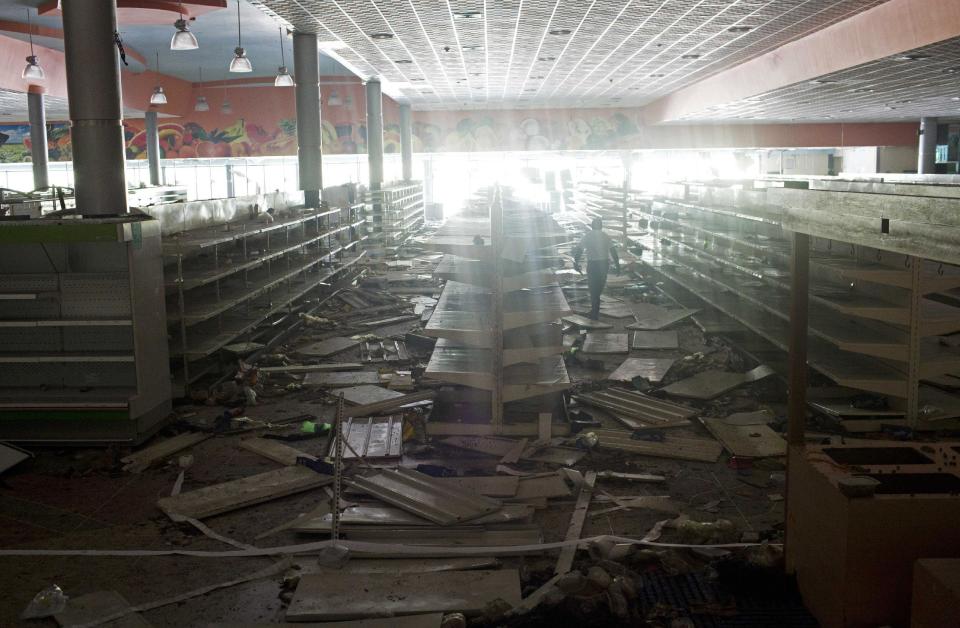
(283, 58)
(30, 32)
(123, 53)
(239, 40)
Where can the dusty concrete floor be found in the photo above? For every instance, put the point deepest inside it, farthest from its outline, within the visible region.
(79, 499)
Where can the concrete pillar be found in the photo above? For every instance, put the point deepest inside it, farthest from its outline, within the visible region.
(375, 133)
(927, 161)
(306, 70)
(38, 138)
(406, 141)
(153, 147)
(93, 88)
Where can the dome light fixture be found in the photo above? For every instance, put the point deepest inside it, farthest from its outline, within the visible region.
(283, 76)
(158, 97)
(240, 62)
(32, 70)
(183, 39)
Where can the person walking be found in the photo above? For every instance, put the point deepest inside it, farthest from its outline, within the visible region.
(599, 248)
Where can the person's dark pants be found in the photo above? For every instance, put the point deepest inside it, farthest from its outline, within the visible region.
(596, 281)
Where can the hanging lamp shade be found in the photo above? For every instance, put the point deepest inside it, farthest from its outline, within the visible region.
(202, 104)
(334, 99)
(283, 78)
(158, 97)
(33, 70)
(240, 62)
(183, 39)
(226, 107)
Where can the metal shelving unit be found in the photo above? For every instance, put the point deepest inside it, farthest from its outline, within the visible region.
(495, 319)
(875, 316)
(394, 213)
(82, 339)
(222, 282)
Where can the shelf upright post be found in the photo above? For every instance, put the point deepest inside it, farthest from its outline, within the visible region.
(913, 342)
(797, 368)
(496, 250)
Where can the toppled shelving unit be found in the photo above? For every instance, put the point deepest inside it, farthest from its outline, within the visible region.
(223, 281)
(496, 320)
(876, 311)
(394, 213)
(82, 341)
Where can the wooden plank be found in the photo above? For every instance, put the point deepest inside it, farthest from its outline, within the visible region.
(141, 460)
(338, 379)
(676, 447)
(514, 454)
(602, 342)
(651, 369)
(567, 553)
(656, 340)
(328, 347)
(274, 450)
(87, 609)
(748, 441)
(544, 425)
(319, 597)
(254, 489)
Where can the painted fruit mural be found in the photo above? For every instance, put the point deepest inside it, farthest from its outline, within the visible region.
(191, 140)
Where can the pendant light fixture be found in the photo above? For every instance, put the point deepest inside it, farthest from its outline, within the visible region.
(283, 76)
(240, 62)
(32, 70)
(202, 104)
(226, 107)
(334, 99)
(183, 39)
(158, 97)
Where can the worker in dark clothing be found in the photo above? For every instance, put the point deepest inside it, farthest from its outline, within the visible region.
(599, 248)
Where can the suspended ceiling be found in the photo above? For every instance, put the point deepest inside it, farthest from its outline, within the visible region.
(921, 82)
(454, 54)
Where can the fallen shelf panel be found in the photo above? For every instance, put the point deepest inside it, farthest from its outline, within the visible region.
(219, 498)
(426, 497)
(747, 441)
(372, 437)
(679, 448)
(349, 596)
(651, 369)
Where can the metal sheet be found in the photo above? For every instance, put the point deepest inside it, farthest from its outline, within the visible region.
(330, 346)
(749, 441)
(585, 323)
(11, 456)
(656, 340)
(637, 410)
(654, 317)
(373, 437)
(602, 342)
(651, 369)
(338, 380)
(319, 597)
(712, 384)
(679, 448)
(372, 515)
(362, 395)
(424, 496)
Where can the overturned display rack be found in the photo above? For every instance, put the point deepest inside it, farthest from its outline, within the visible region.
(224, 281)
(496, 320)
(878, 310)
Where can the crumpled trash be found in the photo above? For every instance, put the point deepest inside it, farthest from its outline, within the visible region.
(47, 603)
(318, 322)
(704, 532)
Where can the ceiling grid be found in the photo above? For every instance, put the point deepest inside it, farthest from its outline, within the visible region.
(452, 54)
